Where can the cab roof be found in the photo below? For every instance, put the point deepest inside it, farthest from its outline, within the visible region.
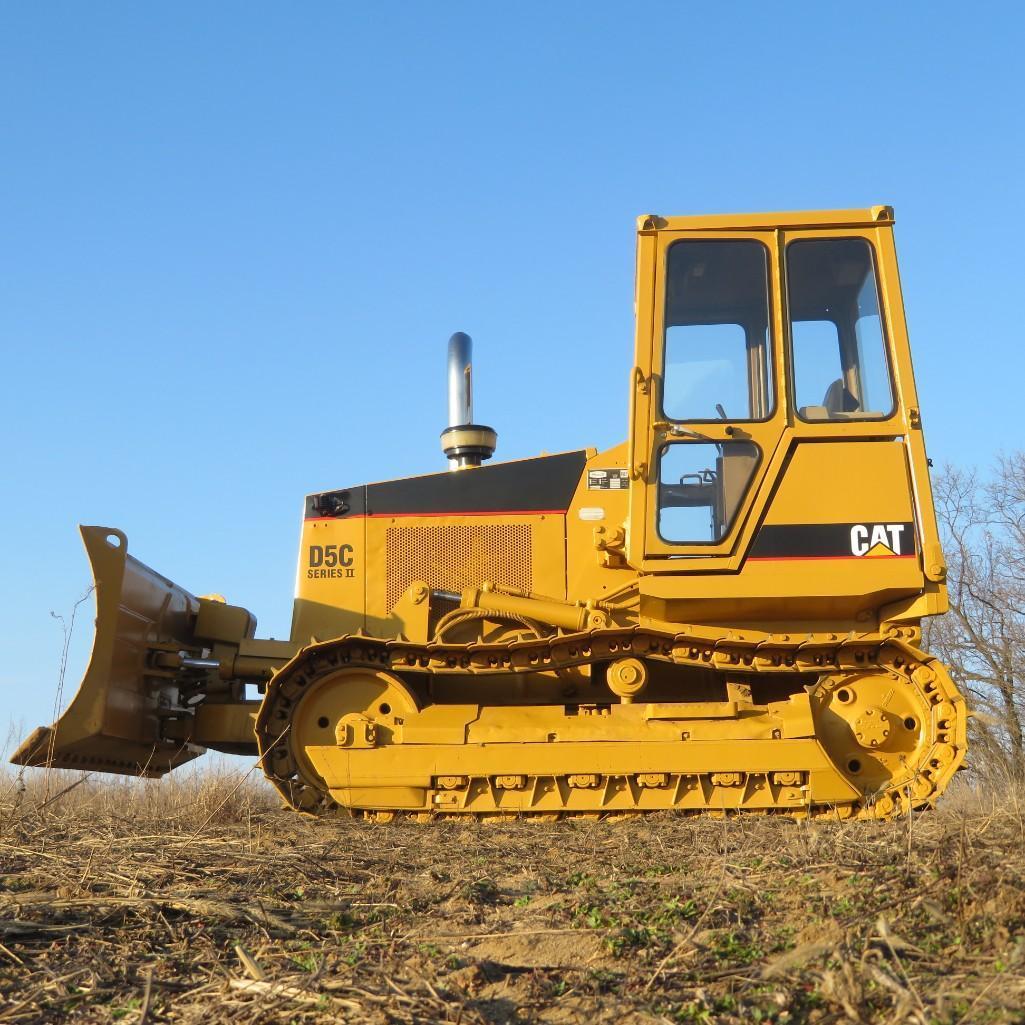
(874, 216)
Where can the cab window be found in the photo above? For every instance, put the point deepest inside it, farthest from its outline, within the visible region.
(840, 366)
(700, 488)
(718, 362)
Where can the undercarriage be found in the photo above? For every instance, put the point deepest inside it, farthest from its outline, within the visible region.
(863, 726)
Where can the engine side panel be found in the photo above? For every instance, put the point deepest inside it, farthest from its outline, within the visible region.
(362, 547)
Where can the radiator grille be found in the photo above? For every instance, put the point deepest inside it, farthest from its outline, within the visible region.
(455, 557)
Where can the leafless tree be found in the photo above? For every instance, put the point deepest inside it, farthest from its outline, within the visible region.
(982, 639)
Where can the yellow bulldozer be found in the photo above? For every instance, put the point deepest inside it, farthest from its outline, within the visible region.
(721, 614)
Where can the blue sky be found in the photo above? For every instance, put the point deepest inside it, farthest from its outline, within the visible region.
(234, 239)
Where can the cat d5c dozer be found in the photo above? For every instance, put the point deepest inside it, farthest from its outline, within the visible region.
(721, 614)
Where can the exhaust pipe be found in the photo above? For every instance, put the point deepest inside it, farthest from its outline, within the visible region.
(464, 442)
(460, 380)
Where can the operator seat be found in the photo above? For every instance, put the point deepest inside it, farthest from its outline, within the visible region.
(838, 399)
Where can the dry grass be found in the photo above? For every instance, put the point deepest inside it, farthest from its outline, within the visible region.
(200, 901)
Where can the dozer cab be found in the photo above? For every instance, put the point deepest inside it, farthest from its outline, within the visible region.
(723, 613)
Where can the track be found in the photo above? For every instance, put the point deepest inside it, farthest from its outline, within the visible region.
(881, 730)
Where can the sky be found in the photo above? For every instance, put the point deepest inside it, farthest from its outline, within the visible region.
(235, 238)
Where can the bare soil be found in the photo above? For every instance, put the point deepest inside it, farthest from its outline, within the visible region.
(200, 901)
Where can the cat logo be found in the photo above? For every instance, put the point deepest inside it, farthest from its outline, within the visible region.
(877, 539)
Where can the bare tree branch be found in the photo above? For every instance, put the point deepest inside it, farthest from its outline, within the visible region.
(982, 640)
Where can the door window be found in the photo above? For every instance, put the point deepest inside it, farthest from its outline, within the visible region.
(717, 360)
(701, 486)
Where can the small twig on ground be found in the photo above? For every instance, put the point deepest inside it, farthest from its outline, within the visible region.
(147, 998)
(67, 790)
(299, 996)
(250, 964)
(68, 629)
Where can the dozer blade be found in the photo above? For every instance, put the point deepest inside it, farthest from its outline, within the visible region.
(113, 722)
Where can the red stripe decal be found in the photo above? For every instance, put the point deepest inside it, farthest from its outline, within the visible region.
(830, 558)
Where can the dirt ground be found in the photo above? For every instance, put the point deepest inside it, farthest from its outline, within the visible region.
(191, 902)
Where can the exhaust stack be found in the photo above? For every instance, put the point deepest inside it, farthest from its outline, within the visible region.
(464, 442)
(460, 383)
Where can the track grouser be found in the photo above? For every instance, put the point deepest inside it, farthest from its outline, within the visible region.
(722, 613)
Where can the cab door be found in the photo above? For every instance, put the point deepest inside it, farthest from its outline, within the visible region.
(707, 417)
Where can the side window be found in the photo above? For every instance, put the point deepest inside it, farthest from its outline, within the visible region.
(701, 486)
(718, 364)
(841, 370)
